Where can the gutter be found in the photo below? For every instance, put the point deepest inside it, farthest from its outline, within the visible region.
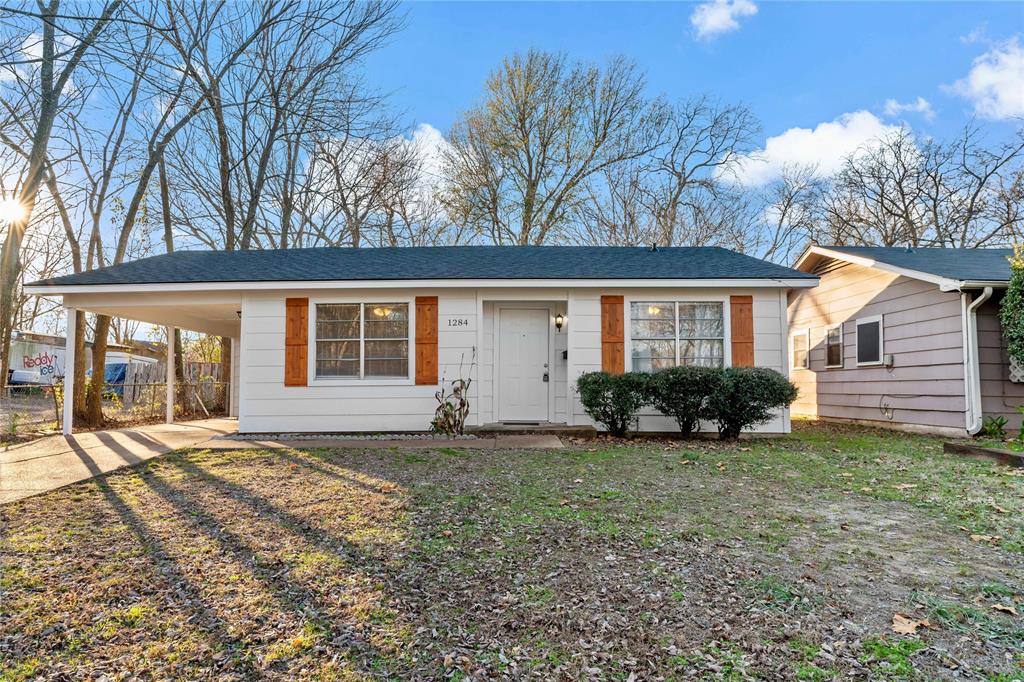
(972, 365)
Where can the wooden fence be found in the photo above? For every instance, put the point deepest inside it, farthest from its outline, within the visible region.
(139, 378)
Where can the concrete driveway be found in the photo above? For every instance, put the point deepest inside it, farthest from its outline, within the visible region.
(56, 461)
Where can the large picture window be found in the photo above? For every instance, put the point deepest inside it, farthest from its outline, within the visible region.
(362, 340)
(669, 333)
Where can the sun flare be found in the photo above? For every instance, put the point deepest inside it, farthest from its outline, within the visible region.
(11, 210)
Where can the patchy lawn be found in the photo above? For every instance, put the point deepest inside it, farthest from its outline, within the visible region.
(784, 559)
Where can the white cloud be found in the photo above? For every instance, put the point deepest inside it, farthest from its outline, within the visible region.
(976, 35)
(825, 147)
(995, 83)
(430, 145)
(711, 19)
(918, 106)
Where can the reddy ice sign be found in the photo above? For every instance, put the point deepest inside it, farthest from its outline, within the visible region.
(39, 358)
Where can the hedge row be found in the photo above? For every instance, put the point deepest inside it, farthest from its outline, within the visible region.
(734, 398)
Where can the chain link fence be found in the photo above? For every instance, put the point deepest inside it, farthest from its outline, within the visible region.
(28, 410)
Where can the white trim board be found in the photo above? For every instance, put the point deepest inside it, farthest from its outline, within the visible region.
(724, 283)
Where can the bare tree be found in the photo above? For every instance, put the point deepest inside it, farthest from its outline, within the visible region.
(296, 94)
(519, 163)
(790, 214)
(900, 190)
(63, 44)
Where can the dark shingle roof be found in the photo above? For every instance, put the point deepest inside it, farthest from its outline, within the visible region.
(981, 265)
(434, 262)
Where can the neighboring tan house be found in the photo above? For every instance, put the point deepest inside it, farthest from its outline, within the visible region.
(339, 339)
(908, 337)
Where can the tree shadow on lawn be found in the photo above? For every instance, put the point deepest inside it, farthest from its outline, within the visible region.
(163, 563)
(273, 591)
(421, 565)
(331, 614)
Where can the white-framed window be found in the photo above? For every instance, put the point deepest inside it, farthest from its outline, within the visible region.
(668, 333)
(834, 345)
(869, 340)
(361, 340)
(800, 349)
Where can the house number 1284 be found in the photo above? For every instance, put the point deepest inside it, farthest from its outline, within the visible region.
(458, 322)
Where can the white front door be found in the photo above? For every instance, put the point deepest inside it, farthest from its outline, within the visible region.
(523, 365)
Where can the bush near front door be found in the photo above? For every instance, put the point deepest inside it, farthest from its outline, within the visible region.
(734, 398)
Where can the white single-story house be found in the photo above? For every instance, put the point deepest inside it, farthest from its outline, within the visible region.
(904, 337)
(359, 340)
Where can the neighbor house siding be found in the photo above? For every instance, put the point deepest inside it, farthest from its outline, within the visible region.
(922, 330)
(769, 311)
(999, 396)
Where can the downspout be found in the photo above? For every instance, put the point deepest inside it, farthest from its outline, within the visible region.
(972, 364)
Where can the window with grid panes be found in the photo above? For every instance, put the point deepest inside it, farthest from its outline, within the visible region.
(362, 340)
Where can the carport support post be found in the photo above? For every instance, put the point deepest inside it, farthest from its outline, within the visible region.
(170, 375)
(69, 373)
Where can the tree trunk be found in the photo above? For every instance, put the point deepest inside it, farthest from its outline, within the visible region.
(80, 415)
(94, 402)
(179, 358)
(225, 370)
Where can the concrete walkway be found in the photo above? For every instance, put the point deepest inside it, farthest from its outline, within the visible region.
(55, 461)
(500, 442)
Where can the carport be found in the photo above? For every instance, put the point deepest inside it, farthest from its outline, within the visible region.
(209, 312)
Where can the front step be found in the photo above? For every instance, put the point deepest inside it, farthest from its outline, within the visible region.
(546, 428)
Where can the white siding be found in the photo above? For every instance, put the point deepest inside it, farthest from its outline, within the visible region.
(585, 342)
(268, 406)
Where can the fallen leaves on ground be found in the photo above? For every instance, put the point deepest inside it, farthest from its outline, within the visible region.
(1005, 609)
(905, 625)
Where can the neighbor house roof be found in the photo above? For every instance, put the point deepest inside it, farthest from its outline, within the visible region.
(946, 266)
(434, 263)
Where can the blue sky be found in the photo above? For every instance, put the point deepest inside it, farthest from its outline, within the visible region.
(796, 64)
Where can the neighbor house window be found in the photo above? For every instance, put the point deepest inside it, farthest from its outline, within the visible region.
(834, 346)
(669, 333)
(362, 340)
(869, 340)
(800, 343)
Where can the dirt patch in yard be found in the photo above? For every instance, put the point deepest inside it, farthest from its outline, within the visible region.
(605, 561)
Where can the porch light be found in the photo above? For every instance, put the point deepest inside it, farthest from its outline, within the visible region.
(559, 321)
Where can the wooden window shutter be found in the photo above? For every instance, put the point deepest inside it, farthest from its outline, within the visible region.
(613, 334)
(296, 341)
(426, 340)
(741, 313)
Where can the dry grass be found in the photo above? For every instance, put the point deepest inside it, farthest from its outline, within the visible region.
(774, 560)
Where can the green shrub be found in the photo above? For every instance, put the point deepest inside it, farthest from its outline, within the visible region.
(747, 396)
(682, 393)
(994, 427)
(613, 400)
(1011, 310)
